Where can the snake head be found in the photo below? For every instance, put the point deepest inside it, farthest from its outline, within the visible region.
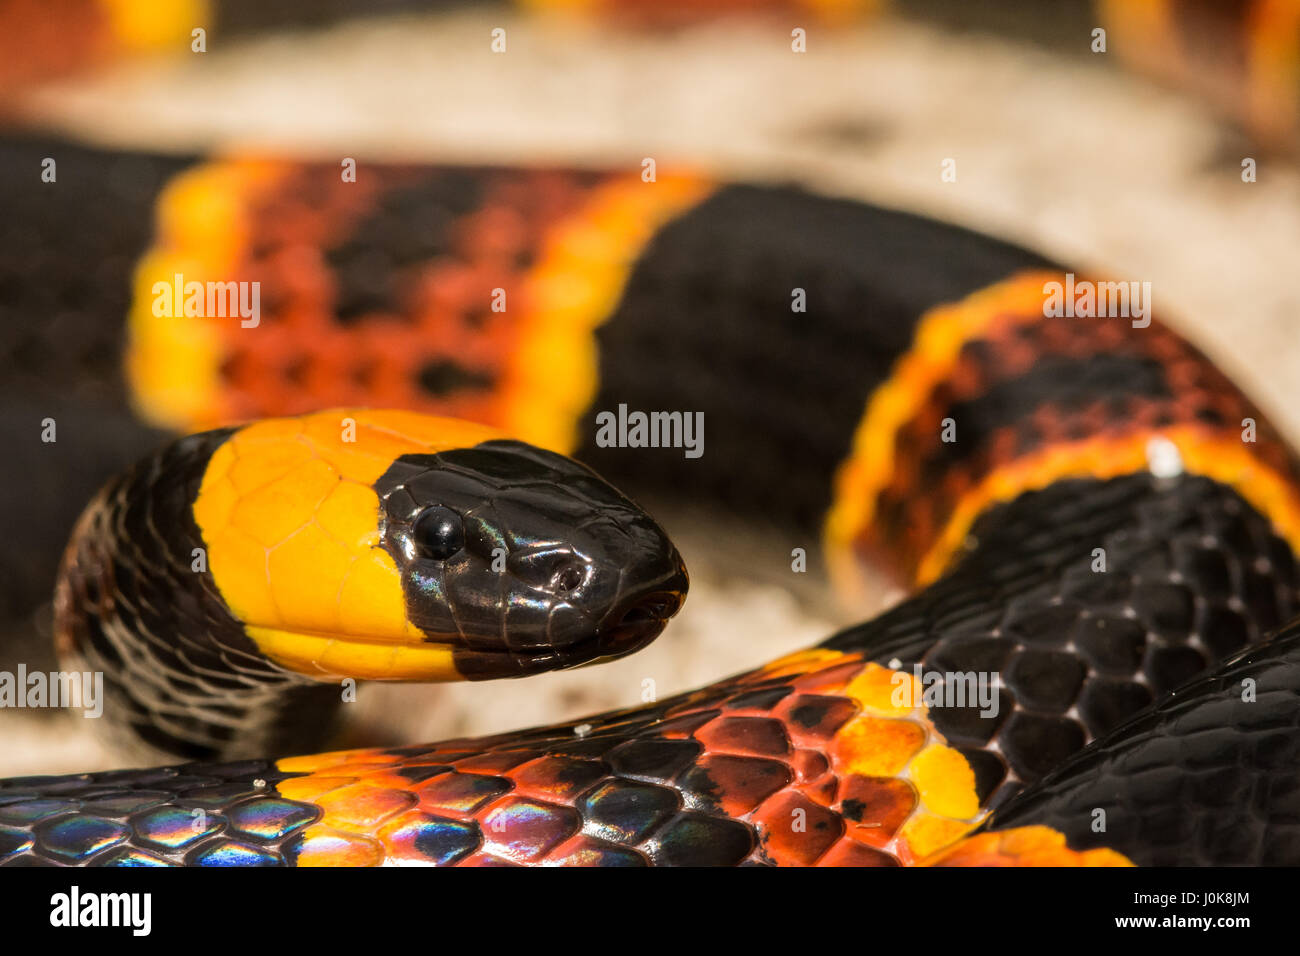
(391, 545)
(525, 560)
(223, 569)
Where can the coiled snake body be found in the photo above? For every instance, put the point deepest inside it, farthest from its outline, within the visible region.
(1075, 498)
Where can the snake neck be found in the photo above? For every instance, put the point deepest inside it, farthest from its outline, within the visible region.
(136, 603)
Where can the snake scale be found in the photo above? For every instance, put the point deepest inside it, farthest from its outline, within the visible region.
(1089, 513)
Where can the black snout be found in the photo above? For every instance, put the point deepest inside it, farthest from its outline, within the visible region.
(641, 615)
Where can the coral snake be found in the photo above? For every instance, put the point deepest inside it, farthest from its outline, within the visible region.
(1099, 527)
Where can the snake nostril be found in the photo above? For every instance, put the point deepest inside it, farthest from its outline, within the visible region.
(568, 578)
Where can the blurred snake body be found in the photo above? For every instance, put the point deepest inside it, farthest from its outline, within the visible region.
(1087, 511)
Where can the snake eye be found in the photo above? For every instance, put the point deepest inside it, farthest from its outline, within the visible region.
(438, 533)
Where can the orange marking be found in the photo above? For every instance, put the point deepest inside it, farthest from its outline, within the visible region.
(324, 846)
(799, 662)
(290, 519)
(309, 788)
(886, 803)
(310, 763)
(885, 691)
(1204, 452)
(361, 806)
(909, 750)
(659, 12)
(878, 471)
(911, 793)
(1023, 846)
(946, 783)
(173, 362)
(1148, 23)
(154, 26)
(192, 372)
(937, 344)
(551, 378)
(873, 747)
(1273, 84)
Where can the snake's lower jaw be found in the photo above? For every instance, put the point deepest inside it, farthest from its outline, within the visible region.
(635, 630)
(634, 618)
(639, 624)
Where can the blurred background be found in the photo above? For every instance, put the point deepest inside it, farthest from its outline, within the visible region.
(1056, 147)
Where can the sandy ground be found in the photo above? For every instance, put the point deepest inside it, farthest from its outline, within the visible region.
(1088, 164)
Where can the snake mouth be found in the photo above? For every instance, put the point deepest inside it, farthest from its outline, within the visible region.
(636, 625)
(628, 628)
(631, 628)
(631, 624)
(371, 657)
